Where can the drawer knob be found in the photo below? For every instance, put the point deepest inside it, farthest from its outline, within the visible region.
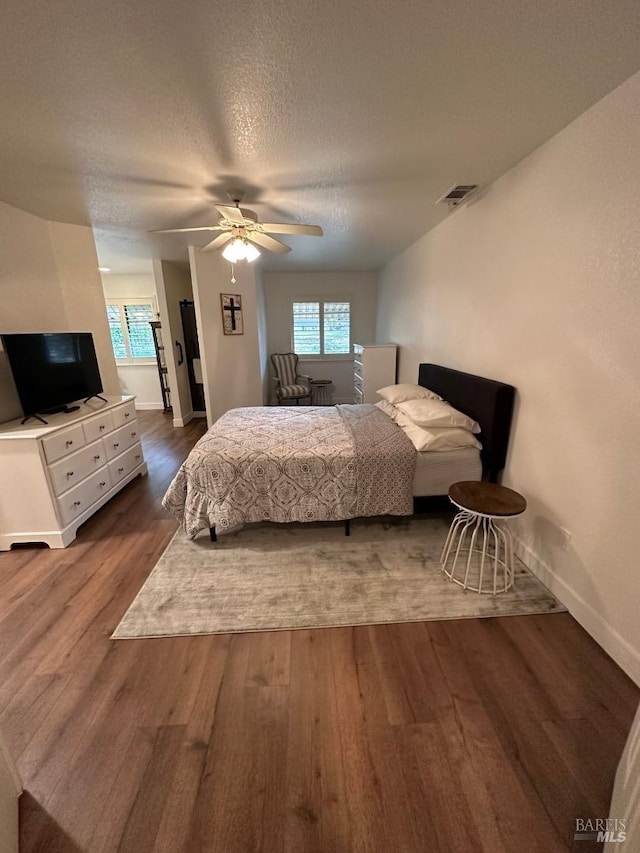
(120, 470)
(101, 427)
(96, 458)
(127, 414)
(77, 503)
(115, 444)
(137, 456)
(69, 442)
(69, 473)
(133, 434)
(102, 484)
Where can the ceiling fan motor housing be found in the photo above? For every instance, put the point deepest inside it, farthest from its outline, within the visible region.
(248, 214)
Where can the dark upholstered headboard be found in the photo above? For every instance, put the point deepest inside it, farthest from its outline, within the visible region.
(488, 402)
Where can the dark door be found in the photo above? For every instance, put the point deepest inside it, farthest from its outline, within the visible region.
(192, 351)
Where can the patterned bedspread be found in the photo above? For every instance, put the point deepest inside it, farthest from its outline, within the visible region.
(294, 463)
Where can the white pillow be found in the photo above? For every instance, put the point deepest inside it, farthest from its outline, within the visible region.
(440, 438)
(388, 409)
(405, 391)
(437, 413)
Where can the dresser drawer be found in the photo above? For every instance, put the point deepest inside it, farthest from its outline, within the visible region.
(74, 502)
(71, 470)
(124, 414)
(96, 427)
(98, 484)
(120, 439)
(125, 464)
(63, 442)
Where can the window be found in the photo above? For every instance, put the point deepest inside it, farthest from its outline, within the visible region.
(321, 327)
(131, 335)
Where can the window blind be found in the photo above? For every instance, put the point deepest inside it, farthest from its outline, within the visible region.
(337, 327)
(306, 328)
(137, 318)
(117, 333)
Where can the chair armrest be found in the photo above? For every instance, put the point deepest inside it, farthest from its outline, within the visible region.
(304, 376)
(276, 385)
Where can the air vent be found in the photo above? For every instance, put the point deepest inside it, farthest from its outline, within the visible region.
(456, 194)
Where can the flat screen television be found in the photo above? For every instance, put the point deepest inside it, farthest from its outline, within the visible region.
(52, 369)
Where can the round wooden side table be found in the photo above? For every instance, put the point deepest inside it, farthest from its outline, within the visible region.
(479, 532)
(321, 392)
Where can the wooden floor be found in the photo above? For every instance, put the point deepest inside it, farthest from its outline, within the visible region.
(477, 735)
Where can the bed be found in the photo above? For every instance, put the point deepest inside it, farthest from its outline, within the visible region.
(305, 463)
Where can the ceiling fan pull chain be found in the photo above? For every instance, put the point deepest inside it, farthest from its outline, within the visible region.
(233, 274)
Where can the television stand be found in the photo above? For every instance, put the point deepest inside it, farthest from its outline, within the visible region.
(95, 395)
(66, 410)
(37, 417)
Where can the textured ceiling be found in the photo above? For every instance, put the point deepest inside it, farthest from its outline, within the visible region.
(356, 116)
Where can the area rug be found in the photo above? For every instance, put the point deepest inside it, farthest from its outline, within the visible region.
(277, 577)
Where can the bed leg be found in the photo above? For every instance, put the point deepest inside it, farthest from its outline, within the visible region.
(347, 527)
(212, 534)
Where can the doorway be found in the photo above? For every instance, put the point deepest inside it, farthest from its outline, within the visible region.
(192, 354)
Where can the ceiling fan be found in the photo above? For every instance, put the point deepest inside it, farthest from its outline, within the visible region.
(242, 234)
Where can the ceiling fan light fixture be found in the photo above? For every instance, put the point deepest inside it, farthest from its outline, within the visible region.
(240, 249)
(243, 237)
(251, 253)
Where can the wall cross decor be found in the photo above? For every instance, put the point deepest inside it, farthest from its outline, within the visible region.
(232, 313)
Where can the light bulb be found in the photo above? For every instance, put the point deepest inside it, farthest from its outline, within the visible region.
(235, 251)
(250, 252)
(240, 249)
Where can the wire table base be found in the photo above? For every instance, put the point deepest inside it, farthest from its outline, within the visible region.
(321, 392)
(489, 564)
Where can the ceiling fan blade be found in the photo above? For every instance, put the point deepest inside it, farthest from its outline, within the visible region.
(219, 242)
(286, 228)
(268, 242)
(233, 214)
(180, 230)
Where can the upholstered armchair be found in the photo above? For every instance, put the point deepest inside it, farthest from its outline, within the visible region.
(288, 383)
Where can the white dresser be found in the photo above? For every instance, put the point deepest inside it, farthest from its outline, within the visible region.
(54, 477)
(374, 366)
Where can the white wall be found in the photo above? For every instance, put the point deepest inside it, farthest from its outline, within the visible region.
(536, 283)
(74, 251)
(230, 363)
(361, 287)
(173, 284)
(124, 286)
(142, 380)
(49, 282)
(263, 343)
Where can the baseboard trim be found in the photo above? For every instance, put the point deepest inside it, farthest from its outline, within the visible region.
(604, 634)
(148, 407)
(182, 422)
